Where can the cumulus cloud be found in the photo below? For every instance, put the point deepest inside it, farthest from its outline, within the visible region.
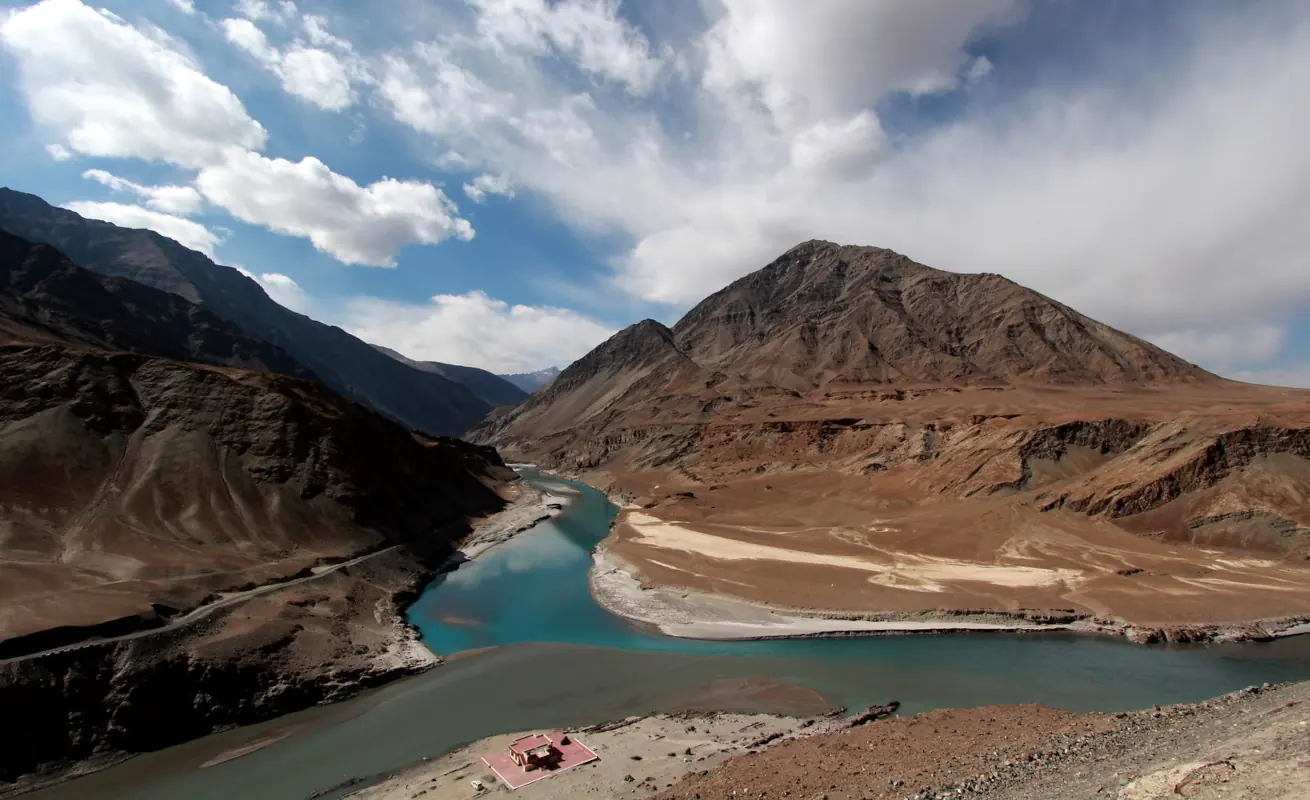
(58, 152)
(187, 7)
(281, 12)
(487, 184)
(308, 70)
(476, 330)
(352, 223)
(282, 288)
(108, 89)
(186, 232)
(1169, 200)
(590, 34)
(170, 199)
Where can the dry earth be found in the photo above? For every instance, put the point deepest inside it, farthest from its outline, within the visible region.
(1251, 744)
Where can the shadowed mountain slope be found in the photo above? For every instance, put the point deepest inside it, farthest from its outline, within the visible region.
(44, 296)
(135, 475)
(423, 400)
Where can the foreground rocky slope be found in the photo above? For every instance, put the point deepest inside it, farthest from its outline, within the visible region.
(427, 401)
(1248, 744)
(139, 486)
(932, 441)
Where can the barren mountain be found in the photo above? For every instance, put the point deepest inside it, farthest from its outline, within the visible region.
(129, 464)
(848, 430)
(424, 400)
(45, 297)
(142, 488)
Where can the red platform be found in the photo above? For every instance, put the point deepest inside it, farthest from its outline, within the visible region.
(573, 754)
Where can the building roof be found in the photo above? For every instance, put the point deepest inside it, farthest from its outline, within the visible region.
(530, 742)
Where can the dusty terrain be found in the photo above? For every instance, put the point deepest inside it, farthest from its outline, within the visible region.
(846, 431)
(1251, 744)
(666, 749)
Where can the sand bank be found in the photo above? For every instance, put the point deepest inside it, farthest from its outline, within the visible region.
(693, 614)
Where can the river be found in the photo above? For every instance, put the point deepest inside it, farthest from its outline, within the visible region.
(559, 659)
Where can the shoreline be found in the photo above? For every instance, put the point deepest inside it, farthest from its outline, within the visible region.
(695, 614)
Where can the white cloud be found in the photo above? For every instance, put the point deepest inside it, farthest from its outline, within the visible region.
(1166, 198)
(110, 89)
(816, 61)
(1297, 376)
(187, 7)
(282, 288)
(589, 32)
(1220, 348)
(281, 12)
(313, 74)
(352, 223)
(186, 232)
(182, 200)
(58, 152)
(476, 330)
(487, 184)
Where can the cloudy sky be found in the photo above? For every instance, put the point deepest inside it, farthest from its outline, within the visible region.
(502, 183)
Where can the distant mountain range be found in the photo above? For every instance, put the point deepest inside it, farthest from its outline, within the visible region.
(532, 381)
(492, 389)
(422, 399)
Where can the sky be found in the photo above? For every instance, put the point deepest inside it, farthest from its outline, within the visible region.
(505, 183)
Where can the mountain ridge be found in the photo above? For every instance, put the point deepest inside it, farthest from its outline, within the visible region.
(493, 389)
(422, 400)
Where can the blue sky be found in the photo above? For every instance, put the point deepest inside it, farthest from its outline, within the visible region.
(502, 183)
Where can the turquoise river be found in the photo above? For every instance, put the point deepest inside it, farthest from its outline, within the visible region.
(547, 655)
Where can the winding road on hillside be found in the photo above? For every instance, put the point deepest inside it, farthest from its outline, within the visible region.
(203, 611)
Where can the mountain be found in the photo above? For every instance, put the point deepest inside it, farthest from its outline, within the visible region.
(426, 401)
(177, 497)
(136, 445)
(824, 316)
(490, 388)
(532, 381)
(45, 297)
(848, 430)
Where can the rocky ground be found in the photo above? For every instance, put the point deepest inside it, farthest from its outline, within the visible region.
(637, 757)
(1249, 744)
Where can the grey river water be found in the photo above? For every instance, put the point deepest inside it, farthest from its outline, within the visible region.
(558, 659)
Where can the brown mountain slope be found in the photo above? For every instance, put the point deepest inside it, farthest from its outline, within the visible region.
(189, 546)
(926, 440)
(823, 313)
(134, 475)
(46, 297)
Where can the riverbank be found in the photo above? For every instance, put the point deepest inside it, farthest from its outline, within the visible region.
(1250, 743)
(617, 585)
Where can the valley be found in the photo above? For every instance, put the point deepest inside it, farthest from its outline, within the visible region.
(208, 546)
